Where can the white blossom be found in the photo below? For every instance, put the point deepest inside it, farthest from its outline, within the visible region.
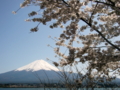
(88, 24)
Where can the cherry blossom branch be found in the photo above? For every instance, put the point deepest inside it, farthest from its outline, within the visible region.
(113, 70)
(106, 39)
(113, 4)
(65, 2)
(101, 34)
(93, 12)
(99, 47)
(89, 23)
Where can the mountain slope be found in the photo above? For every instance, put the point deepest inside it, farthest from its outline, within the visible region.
(35, 72)
(37, 65)
(39, 71)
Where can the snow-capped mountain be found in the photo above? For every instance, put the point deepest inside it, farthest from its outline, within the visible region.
(37, 65)
(36, 72)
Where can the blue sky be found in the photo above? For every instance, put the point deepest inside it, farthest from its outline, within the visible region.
(18, 46)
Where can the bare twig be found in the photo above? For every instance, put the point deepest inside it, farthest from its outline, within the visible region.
(93, 12)
(112, 5)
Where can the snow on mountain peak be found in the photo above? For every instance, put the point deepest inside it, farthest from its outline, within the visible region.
(37, 65)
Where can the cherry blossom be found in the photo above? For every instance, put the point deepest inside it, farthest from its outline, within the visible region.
(92, 24)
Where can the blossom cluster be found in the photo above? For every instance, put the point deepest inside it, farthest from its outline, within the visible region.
(91, 24)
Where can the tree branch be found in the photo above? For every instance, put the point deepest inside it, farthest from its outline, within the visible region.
(101, 35)
(113, 4)
(93, 13)
(65, 2)
(107, 39)
(100, 47)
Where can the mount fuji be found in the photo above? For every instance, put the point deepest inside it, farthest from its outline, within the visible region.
(38, 71)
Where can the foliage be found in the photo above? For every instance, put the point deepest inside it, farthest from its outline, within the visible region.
(92, 24)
